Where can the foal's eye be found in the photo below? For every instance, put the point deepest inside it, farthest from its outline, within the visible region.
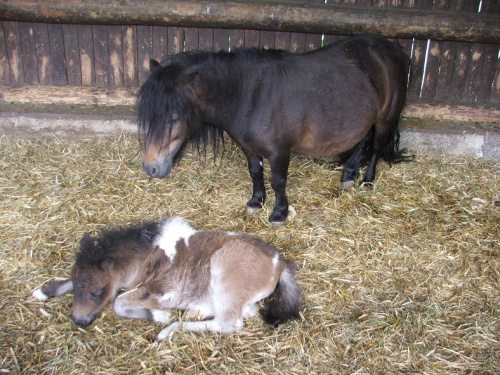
(97, 293)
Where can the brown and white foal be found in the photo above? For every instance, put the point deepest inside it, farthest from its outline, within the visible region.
(214, 275)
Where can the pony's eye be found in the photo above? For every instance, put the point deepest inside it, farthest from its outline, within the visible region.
(173, 120)
(97, 293)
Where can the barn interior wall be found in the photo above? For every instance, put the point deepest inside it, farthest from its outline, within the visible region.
(109, 56)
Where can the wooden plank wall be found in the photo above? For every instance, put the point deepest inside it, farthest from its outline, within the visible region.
(118, 56)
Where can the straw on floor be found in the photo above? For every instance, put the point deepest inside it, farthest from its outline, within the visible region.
(403, 278)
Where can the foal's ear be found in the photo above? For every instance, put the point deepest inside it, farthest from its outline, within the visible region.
(107, 264)
(154, 66)
(86, 241)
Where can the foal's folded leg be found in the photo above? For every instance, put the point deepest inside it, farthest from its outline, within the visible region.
(140, 304)
(213, 325)
(53, 290)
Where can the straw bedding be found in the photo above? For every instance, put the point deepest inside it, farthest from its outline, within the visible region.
(403, 278)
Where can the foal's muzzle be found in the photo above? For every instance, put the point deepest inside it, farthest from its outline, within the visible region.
(83, 321)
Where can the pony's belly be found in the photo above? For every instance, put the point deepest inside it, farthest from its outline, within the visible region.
(324, 148)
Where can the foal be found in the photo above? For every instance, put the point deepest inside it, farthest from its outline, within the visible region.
(170, 265)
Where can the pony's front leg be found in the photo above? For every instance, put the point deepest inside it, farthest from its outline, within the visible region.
(279, 170)
(256, 169)
(140, 304)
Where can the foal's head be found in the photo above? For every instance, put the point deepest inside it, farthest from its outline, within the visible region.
(105, 265)
(169, 113)
(94, 282)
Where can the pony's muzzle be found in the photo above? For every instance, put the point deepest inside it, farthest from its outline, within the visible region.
(151, 170)
(157, 170)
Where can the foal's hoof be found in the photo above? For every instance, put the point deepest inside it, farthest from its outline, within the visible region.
(344, 185)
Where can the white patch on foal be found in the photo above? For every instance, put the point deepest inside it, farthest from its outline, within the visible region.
(276, 259)
(39, 295)
(172, 231)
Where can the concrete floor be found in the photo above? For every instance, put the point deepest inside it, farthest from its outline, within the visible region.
(480, 140)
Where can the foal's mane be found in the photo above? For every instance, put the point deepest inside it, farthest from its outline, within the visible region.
(111, 241)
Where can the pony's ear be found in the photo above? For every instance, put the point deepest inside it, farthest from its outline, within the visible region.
(154, 66)
(107, 264)
(192, 78)
(86, 241)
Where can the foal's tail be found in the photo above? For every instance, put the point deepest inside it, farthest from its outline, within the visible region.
(284, 303)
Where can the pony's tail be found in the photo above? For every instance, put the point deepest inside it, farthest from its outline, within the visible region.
(285, 301)
(393, 154)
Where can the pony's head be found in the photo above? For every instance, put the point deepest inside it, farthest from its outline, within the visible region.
(94, 281)
(169, 114)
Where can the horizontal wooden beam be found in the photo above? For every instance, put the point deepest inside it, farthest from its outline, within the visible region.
(90, 96)
(262, 15)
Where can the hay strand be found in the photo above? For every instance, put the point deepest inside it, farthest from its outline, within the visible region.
(403, 278)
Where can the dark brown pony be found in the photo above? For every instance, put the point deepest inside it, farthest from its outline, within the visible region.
(214, 275)
(347, 96)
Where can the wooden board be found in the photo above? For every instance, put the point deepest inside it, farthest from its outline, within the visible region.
(130, 56)
(4, 59)
(72, 50)
(86, 45)
(127, 96)
(58, 54)
(144, 51)
(191, 38)
(221, 39)
(115, 50)
(28, 49)
(237, 39)
(282, 40)
(101, 56)
(206, 39)
(307, 17)
(14, 53)
(175, 40)
(160, 43)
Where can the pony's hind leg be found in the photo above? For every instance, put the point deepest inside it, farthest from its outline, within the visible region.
(370, 171)
(350, 171)
(380, 143)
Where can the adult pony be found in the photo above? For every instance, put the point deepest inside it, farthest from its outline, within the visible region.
(169, 265)
(346, 96)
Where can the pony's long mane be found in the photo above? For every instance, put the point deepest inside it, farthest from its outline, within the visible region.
(111, 241)
(159, 97)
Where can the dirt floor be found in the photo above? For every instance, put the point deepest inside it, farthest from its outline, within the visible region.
(403, 278)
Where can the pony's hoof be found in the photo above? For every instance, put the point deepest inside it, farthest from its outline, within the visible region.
(344, 185)
(277, 224)
(368, 185)
(277, 219)
(252, 210)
